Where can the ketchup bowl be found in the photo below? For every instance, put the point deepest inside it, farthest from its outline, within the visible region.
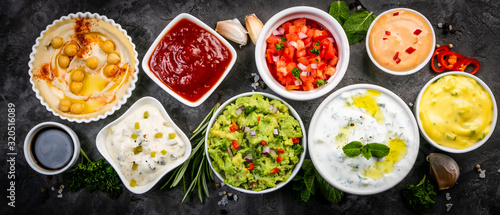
(189, 60)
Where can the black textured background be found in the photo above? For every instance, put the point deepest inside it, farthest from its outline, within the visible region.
(478, 35)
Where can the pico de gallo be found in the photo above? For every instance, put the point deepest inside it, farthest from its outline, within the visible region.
(301, 55)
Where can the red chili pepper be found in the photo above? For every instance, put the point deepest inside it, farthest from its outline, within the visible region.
(258, 119)
(395, 14)
(280, 150)
(295, 140)
(251, 166)
(463, 63)
(235, 145)
(410, 50)
(395, 56)
(275, 170)
(417, 32)
(448, 58)
(398, 60)
(263, 143)
(388, 33)
(233, 127)
(279, 159)
(436, 52)
(384, 38)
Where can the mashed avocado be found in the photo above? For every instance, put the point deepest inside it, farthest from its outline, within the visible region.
(255, 143)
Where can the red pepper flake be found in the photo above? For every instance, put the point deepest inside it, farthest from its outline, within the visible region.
(388, 33)
(235, 145)
(258, 119)
(384, 38)
(233, 127)
(263, 143)
(295, 139)
(280, 150)
(410, 50)
(275, 170)
(417, 32)
(251, 166)
(395, 14)
(398, 60)
(395, 56)
(279, 159)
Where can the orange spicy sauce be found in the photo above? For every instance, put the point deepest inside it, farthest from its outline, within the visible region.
(189, 60)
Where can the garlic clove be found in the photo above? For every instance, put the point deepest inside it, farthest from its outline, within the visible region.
(232, 30)
(444, 169)
(254, 26)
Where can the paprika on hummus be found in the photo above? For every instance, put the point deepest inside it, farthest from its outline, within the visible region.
(400, 40)
(82, 67)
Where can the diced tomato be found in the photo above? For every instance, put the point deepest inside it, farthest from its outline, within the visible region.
(300, 22)
(279, 159)
(263, 143)
(295, 140)
(303, 60)
(330, 71)
(235, 145)
(233, 127)
(251, 166)
(294, 29)
(286, 26)
(319, 35)
(258, 118)
(292, 87)
(330, 54)
(275, 170)
(333, 62)
(273, 39)
(280, 150)
(292, 37)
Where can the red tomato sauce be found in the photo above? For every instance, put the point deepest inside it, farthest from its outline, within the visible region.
(189, 60)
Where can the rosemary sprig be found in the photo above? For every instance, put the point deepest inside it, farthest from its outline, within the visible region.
(198, 164)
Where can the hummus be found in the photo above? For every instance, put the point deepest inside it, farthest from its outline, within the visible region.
(400, 40)
(83, 67)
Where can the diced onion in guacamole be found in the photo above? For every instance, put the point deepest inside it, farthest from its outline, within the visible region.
(258, 117)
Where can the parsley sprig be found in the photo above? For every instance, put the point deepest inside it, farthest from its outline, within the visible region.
(296, 74)
(355, 148)
(421, 196)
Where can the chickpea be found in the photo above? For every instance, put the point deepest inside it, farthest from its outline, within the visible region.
(71, 49)
(56, 42)
(92, 62)
(64, 105)
(108, 46)
(76, 108)
(110, 70)
(63, 61)
(78, 75)
(113, 58)
(76, 87)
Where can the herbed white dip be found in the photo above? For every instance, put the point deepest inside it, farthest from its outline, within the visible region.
(350, 117)
(144, 145)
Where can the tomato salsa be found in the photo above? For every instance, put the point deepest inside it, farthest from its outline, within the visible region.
(301, 54)
(189, 60)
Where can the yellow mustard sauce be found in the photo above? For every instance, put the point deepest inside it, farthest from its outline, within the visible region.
(456, 111)
(398, 150)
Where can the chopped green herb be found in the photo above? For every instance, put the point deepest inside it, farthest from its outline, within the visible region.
(316, 59)
(283, 39)
(315, 51)
(421, 196)
(317, 43)
(320, 83)
(296, 74)
(279, 46)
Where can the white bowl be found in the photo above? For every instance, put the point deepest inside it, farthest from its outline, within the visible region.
(28, 141)
(334, 166)
(221, 109)
(416, 69)
(132, 83)
(151, 49)
(446, 148)
(101, 144)
(321, 17)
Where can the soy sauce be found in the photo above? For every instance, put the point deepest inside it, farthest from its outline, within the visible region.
(52, 148)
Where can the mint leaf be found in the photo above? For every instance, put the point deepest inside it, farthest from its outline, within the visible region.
(356, 26)
(308, 167)
(378, 150)
(305, 195)
(328, 191)
(340, 11)
(365, 151)
(352, 149)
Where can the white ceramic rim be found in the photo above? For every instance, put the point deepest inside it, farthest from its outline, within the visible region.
(412, 151)
(294, 114)
(132, 83)
(330, 24)
(101, 144)
(29, 139)
(446, 148)
(151, 49)
(416, 69)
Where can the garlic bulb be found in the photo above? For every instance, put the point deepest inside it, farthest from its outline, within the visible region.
(444, 169)
(254, 26)
(232, 30)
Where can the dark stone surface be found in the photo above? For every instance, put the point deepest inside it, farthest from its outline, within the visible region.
(478, 32)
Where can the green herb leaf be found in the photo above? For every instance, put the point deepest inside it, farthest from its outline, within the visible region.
(328, 191)
(296, 74)
(305, 195)
(365, 151)
(250, 109)
(283, 39)
(340, 11)
(378, 150)
(315, 51)
(356, 26)
(317, 43)
(352, 149)
(309, 176)
(280, 46)
(421, 196)
(320, 83)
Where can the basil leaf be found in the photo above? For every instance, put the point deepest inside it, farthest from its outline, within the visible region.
(328, 191)
(356, 26)
(340, 11)
(365, 151)
(352, 149)
(378, 150)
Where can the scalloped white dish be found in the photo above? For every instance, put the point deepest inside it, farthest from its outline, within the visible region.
(103, 147)
(342, 118)
(62, 90)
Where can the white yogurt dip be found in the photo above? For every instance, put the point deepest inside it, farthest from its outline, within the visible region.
(366, 116)
(144, 146)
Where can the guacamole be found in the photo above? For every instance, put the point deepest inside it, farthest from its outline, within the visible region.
(255, 143)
